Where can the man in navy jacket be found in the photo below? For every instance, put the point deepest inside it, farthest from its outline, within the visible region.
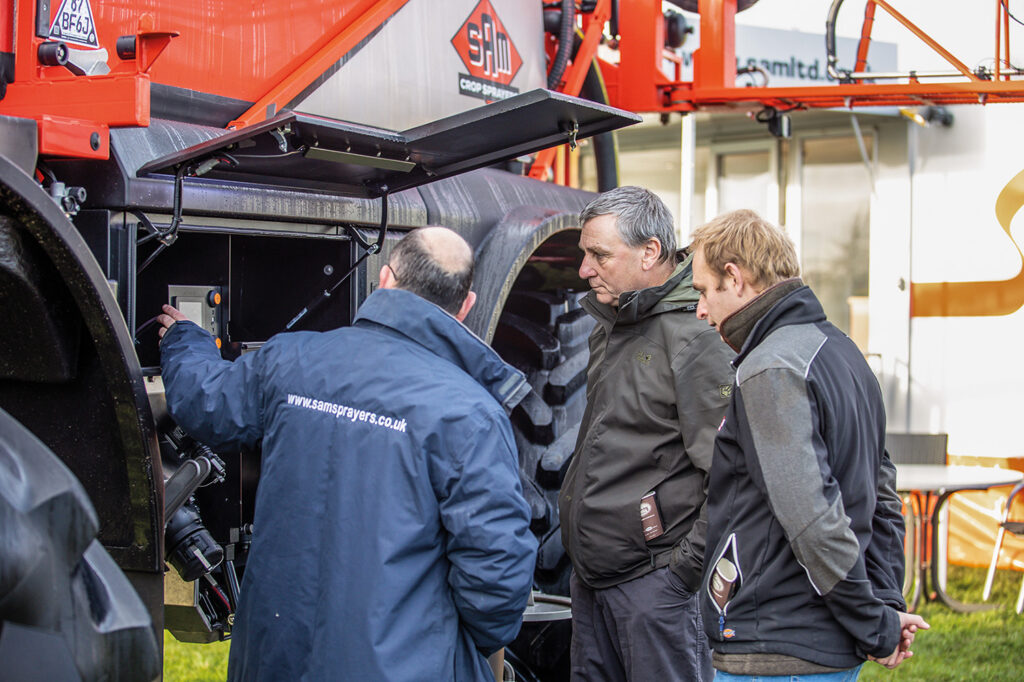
(804, 557)
(391, 540)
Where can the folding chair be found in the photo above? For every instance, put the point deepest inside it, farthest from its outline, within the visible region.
(1015, 527)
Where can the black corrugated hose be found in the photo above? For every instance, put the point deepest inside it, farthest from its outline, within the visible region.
(566, 30)
(606, 153)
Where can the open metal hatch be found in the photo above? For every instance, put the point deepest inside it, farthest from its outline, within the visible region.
(310, 152)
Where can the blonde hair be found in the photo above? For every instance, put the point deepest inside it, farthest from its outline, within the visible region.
(743, 237)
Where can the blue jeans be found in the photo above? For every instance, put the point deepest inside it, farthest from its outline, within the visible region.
(841, 676)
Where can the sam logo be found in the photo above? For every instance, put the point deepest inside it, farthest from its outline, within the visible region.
(488, 53)
(725, 390)
(643, 358)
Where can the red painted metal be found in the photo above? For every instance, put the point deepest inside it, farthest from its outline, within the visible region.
(254, 50)
(1002, 17)
(149, 45)
(113, 100)
(6, 25)
(865, 37)
(849, 96)
(637, 80)
(71, 109)
(222, 62)
(68, 137)
(593, 26)
(637, 83)
(714, 63)
(575, 74)
(943, 52)
(233, 48)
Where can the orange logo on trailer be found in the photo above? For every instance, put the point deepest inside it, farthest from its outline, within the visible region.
(977, 299)
(485, 47)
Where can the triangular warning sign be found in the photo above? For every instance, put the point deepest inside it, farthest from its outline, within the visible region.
(74, 24)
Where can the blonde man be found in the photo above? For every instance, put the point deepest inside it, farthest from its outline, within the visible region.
(805, 537)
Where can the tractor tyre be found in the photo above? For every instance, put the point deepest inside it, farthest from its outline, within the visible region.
(545, 335)
(67, 611)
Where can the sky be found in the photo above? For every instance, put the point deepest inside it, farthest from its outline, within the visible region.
(966, 29)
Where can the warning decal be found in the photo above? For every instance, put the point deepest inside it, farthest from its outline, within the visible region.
(74, 24)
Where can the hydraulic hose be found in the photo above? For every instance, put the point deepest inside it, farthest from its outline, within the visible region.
(606, 153)
(830, 40)
(566, 31)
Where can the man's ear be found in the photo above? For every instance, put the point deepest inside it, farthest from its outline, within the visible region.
(740, 281)
(467, 305)
(386, 277)
(651, 254)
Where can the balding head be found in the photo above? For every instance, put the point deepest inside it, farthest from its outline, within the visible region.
(445, 248)
(434, 263)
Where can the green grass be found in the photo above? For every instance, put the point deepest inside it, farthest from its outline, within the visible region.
(985, 646)
(194, 662)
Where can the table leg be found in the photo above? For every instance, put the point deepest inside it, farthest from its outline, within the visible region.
(914, 572)
(940, 593)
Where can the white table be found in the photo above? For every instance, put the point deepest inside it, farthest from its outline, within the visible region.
(542, 607)
(924, 483)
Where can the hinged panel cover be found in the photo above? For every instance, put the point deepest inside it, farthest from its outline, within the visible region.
(308, 152)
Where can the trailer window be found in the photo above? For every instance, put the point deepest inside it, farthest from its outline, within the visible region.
(835, 211)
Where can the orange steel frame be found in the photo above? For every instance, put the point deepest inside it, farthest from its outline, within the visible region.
(638, 83)
(75, 113)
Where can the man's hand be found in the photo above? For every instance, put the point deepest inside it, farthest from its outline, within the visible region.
(169, 317)
(909, 625)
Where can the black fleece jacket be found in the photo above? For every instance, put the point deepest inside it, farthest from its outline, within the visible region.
(802, 502)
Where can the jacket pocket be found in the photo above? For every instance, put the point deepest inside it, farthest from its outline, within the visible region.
(677, 584)
(726, 576)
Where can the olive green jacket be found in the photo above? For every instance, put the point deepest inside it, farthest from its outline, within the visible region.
(658, 384)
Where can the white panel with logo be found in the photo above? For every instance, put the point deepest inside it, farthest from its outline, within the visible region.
(436, 59)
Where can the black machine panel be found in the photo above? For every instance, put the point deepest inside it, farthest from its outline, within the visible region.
(304, 151)
(263, 282)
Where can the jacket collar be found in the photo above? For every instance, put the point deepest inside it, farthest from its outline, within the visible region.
(428, 325)
(677, 292)
(737, 327)
(798, 306)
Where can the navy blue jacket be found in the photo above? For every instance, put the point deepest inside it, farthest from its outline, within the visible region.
(391, 540)
(802, 502)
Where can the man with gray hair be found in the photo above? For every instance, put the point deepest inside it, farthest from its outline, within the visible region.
(632, 503)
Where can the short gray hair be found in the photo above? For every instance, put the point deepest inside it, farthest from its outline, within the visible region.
(639, 215)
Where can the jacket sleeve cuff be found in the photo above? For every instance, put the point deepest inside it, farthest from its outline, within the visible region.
(178, 328)
(892, 598)
(889, 634)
